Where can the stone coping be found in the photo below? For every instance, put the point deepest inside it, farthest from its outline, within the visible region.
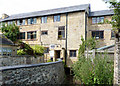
(26, 66)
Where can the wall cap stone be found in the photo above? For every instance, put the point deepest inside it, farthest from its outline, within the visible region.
(27, 66)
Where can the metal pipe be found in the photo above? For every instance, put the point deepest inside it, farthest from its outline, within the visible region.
(66, 39)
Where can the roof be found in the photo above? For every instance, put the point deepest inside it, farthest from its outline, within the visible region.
(101, 13)
(5, 41)
(48, 12)
(106, 47)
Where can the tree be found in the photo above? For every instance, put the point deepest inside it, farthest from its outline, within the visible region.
(11, 31)
(88, 44)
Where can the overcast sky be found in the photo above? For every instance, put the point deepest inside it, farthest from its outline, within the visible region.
(22, 6)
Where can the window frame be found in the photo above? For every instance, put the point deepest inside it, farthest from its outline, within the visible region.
(31, 36)
(61, 32)
(56, 18)
(74, 53)
(44, 19)
(97, 20)
(31, 21)
(99, 34)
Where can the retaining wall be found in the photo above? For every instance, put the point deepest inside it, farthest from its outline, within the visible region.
(35, 74)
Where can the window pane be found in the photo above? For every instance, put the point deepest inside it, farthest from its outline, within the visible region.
(31, 22)
(56, 18)
(112, 34)
(98, 34)
(23, 22)
(44, 32)
(61, 32)
(101, 19)
(93, 33)
(28, 35)
(28, 21)
(44, 20)
(34, 35)
(101, 34)
(98, 20)
(72, 53)
(93, 20)
(35, 20)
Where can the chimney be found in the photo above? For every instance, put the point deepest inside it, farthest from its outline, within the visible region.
(4, 16)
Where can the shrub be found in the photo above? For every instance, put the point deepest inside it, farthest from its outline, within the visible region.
(98, 71)
(49, 60)
(38, 50)
(21, 52)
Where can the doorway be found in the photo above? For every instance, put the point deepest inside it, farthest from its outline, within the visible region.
(57, 54)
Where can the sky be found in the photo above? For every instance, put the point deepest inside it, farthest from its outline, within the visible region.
(11, 7)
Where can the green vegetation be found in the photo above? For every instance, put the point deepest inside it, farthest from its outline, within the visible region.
(10, 31)
(89, 44)
(26, 49)
(38, 50)
(49, 60)
(98, 70)
(21, 52)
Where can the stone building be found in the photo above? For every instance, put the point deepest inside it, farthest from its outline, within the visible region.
(7, 47)
(61, 29)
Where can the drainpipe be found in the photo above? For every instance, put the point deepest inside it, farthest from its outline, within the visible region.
(66, 39)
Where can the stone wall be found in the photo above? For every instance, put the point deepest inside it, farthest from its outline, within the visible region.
(44, 73)
(20, 60)
(117, 64)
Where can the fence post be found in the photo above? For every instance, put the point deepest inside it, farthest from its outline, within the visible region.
(93, 53)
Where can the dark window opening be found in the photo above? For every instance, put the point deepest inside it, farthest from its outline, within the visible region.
(44, 32)
(61, 32)
(98, 34)
(72, 53)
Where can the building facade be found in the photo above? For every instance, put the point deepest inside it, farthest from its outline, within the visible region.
(7, 47)
(60, 30)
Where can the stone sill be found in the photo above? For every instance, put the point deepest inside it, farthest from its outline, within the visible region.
(61, 38)
(30, 40)
(26, 66)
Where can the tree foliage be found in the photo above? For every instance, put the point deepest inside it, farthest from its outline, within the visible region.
(89, 43)
(38, 50)
(11, 31)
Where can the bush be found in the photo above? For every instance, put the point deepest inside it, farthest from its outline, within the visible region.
(21, 52)
(49, 60)
(38, 50)
(98, 71)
